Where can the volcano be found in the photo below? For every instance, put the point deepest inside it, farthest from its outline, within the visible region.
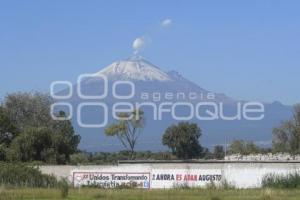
(153, 85)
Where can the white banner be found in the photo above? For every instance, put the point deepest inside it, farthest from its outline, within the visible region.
(172, 178)
(158, 178)
(111, 179)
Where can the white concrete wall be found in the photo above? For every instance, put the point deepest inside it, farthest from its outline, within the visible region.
(163, 175)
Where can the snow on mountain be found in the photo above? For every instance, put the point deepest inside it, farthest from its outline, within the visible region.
(151, 80)
(135, 68)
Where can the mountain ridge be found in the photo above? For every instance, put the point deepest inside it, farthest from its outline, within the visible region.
(134, 68)
(149, 78)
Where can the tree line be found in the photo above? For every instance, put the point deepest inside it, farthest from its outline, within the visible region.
(183, 139)
(28, 133)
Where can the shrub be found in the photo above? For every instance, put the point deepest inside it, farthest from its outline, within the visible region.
(3, 150)
(22, 175)
(79, 158)
(281, 181)
(64, 188)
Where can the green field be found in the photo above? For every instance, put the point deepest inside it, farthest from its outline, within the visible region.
(135, 194)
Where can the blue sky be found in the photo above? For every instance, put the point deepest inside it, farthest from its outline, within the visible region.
(245, 49)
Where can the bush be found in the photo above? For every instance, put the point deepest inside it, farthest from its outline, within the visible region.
(79, 158)
(3, 150)
(64, 188)
(281, 181)
(22, 175)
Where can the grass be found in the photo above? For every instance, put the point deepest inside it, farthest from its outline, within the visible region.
(281, 181)
(137, 194)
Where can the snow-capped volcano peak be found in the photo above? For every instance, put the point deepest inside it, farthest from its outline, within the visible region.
(134, 68)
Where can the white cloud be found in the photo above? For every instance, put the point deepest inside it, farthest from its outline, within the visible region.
(138, 44)
(141, 42)
(166, 23)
